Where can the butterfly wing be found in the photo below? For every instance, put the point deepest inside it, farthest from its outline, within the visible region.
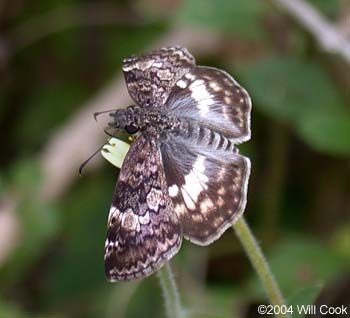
(151, 77)
(208, 187)
(212, 97)
(206, 176)
(143, 232)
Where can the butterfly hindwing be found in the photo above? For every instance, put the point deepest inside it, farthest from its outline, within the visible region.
(143, 232)
(208, 188)
(212, 97)
(151, 77)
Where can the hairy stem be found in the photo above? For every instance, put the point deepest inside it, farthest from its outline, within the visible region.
(170, 292)
(259, 262)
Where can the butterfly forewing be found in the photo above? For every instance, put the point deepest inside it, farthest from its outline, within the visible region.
(214, 98)
(143, 232)
(151, 77)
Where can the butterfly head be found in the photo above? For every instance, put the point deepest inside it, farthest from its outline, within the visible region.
(126, 119)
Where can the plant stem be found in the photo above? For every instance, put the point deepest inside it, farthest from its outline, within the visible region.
(259, 262)
(170, 293)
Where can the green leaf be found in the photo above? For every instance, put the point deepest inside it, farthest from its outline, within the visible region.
(329, 133)
(239, 17)
(302, 94)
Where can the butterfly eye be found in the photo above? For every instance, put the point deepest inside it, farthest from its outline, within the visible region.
(131, 129)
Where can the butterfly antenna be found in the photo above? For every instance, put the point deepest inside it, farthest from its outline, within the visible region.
(88, 159)
(103, 112)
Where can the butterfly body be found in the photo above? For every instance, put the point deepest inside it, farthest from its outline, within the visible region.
(183, 176)
(148, 121)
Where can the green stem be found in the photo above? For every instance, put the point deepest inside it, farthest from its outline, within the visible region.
(259, 262)
(170, 293)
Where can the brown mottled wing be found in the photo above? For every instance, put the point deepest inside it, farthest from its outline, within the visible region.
(208, 187)
(151, 77)
(143, 232)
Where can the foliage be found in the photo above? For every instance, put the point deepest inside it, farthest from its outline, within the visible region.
(302, 94)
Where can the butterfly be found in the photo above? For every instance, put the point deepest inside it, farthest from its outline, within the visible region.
(183, 176)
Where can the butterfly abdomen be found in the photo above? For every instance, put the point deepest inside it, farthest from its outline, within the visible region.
(199, 134)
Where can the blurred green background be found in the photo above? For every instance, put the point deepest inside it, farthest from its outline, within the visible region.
(56, 59)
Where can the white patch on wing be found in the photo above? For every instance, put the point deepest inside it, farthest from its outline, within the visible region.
(144, 219)
(173, 190)
(190, 76)
(130, 221)
(213, 84)
(197, 218)
(180, 209)
(195, 183)
(228, 92)
(157, 64)
(222, 190)
(202, 96)
(144, 64)
(109, 245)
(217, 88)
(206, 206)
(228, 81)
(196, 83)
(113, 210)
(154, 199)
(188, 201)
(227, 100)
(220, 202)
(181, 83)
